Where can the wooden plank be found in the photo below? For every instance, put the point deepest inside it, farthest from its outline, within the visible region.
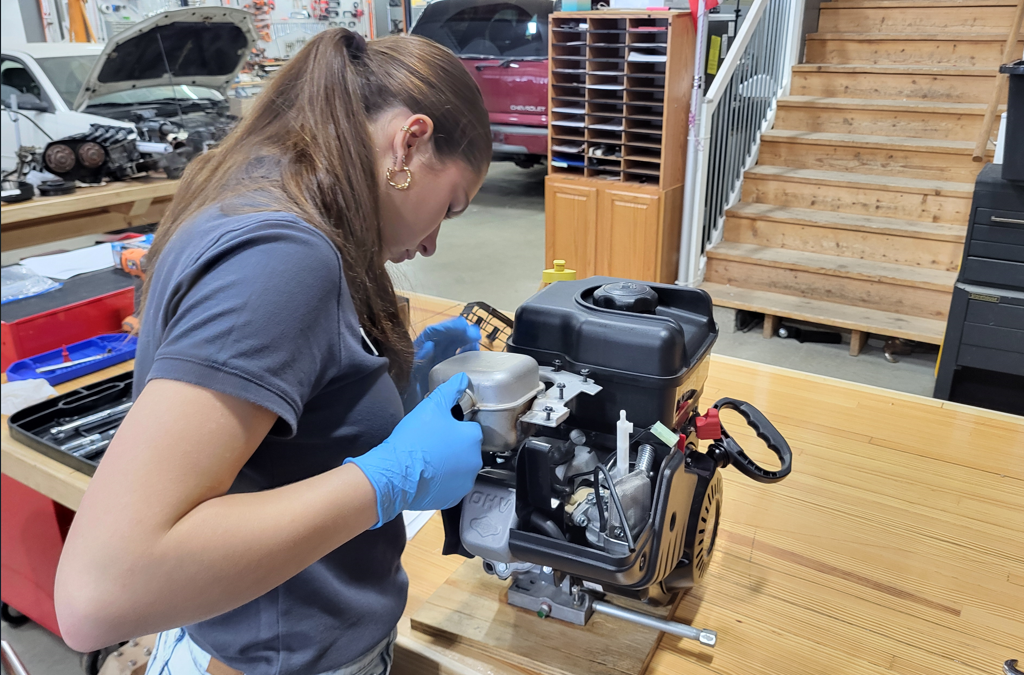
(906, 49)
(876, 155)
(470, 608)
(925, 4)
(92, 210)
(771, 326)
(863, 245)
(827, 313)
(678, 69)
(894, 227)
(919, 119)
(838, 266)
(859, 194)
(919, 17)
(858, 339)
(87, 199)
(953, 84)
(920, 302)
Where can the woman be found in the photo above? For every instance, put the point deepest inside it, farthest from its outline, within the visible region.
(253, 493)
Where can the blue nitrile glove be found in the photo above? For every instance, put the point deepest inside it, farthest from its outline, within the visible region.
(435, 344)
(429, 461)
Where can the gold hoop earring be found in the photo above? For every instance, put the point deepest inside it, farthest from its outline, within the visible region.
(406, 129)
(408, 177)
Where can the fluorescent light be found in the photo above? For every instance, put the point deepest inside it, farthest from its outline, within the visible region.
(531, 28)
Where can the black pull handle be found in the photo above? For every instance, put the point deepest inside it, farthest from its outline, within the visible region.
(766, 432)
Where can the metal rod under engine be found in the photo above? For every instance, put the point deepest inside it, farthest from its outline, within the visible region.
(705, 637)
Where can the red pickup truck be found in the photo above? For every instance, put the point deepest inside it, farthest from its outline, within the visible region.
(504, 46)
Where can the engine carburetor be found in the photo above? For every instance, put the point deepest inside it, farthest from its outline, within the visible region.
(593, 481)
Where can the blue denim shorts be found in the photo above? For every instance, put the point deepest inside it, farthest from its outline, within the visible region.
(175, 654)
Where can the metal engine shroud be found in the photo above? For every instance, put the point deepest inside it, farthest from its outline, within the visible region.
(581, 351)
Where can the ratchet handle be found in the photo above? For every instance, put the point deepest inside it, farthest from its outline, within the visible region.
(766, 432)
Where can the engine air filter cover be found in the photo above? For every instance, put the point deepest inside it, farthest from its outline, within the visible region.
(641, 357)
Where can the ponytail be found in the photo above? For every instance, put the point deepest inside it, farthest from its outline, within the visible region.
(313, 124)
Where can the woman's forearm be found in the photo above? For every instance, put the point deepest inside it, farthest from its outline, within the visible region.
(225, 552)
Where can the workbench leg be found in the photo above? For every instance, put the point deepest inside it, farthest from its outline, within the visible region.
(858, 339)
(771, 324)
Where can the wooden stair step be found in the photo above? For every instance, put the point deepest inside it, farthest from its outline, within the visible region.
(884, 155)
(881, 4)
(860, 194)
(863, 16)
(955, 84)
(919, 119)
(902, 289)
(880, 69)
(845, 221)
(895, 105)
(910, 37)
(830, 265)
(904, 242)
(868, 141)
(883, 183)
(828, 313)
(966, 49)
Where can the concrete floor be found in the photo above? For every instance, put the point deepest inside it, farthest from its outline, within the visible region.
(495, 253)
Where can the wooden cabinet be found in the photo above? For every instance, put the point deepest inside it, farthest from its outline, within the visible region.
(627, 232)
(570, 212)
(618, 103)
(608, 229)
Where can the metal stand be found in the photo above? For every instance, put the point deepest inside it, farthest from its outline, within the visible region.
(539, 591)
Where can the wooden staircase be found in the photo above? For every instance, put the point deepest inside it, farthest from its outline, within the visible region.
(856, 211)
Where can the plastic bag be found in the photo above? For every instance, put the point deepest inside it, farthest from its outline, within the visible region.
(21, 394)
(20, 282)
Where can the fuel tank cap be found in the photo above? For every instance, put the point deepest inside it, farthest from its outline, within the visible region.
(627, 296)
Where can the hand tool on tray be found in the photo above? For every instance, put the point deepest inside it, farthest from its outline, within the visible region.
(63, 430)
(68, 364)
(82, 444)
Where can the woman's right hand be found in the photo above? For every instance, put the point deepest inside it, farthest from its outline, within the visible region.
(430, 461)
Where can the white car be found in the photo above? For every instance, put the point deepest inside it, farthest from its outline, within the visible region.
(160, 85)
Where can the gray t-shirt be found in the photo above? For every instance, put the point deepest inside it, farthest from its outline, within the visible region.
(256, 306)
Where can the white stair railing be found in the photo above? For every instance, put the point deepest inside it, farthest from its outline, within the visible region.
(725, 132)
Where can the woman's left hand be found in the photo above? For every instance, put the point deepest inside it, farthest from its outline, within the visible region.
(435, 344)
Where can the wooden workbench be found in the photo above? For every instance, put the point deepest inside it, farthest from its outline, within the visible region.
(89, 210)
(896, 545)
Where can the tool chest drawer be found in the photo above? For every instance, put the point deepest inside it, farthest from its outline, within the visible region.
(982, 360)
(998, 235)
(1004, 273)
(76, 427)
(994, 246)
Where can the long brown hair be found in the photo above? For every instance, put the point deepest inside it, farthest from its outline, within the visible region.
(313, 125)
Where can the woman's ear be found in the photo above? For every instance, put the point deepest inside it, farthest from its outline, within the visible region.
(413, 139)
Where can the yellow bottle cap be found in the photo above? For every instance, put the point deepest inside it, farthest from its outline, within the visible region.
(558, 273)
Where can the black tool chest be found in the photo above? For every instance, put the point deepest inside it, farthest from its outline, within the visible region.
(982, 359)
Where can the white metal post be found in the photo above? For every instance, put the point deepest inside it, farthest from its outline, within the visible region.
(687, 253)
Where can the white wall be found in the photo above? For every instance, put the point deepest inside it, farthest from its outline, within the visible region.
(13, 30)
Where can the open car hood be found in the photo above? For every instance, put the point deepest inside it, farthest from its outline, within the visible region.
(203, 46)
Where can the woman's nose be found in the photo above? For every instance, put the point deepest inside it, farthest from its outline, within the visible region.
(429, 245)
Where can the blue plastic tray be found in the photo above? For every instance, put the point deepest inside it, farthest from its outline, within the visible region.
(122, 348)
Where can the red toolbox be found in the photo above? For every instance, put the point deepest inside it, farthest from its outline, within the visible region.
(32, 533)
(86, 306)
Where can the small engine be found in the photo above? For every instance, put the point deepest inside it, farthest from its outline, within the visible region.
(593, 481)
